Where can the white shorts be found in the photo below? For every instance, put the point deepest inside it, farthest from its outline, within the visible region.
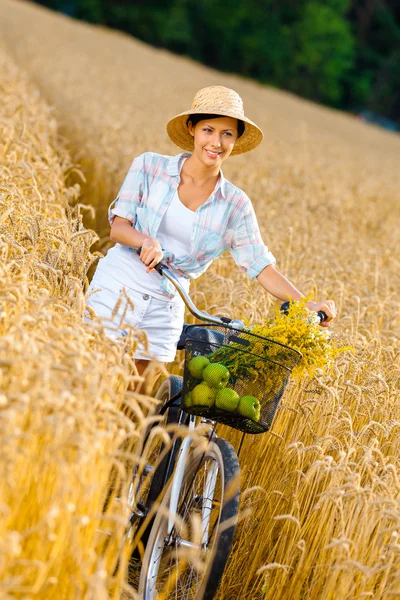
(162, 320)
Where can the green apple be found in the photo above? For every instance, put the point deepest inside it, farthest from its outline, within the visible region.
(216, 375)
(203, 395)
(249, 407)
(188, 400)
(227, 399)
(197, 365)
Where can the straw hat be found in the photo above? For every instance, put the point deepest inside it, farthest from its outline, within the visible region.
(215, 100)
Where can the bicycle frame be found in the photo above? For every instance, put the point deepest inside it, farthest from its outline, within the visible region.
(190, 464)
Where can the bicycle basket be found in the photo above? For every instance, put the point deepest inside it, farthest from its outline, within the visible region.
(235, 377)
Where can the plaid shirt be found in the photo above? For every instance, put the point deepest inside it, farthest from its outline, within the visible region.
(226, 221)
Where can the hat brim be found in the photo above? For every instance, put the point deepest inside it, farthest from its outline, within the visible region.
(179, 133)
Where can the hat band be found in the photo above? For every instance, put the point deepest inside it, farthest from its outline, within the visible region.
(214, 111)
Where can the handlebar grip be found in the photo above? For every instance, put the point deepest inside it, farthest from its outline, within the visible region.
(321, 315)
(159, 268)
(226, 320)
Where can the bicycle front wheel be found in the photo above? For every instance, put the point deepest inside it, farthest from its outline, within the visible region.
(187, 562)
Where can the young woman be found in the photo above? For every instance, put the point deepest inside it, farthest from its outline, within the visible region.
(181, 210)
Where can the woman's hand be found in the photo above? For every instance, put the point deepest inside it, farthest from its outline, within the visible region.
(328, 307)
(276, 284)
(151, 253)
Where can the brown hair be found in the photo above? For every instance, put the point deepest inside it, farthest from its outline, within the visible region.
(194, 119)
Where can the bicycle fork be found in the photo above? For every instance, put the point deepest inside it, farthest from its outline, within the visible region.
(176, 485)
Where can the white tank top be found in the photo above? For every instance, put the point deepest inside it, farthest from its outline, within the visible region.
(175, 228)
(173, 234)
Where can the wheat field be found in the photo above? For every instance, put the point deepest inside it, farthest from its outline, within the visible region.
(321, 503)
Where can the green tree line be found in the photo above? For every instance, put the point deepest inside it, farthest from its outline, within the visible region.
(344, 53)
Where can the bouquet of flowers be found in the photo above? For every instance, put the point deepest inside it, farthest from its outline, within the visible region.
(299, 329)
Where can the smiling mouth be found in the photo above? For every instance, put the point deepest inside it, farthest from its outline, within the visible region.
(212, 154)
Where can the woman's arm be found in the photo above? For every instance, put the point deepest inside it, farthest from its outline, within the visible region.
(276, 284)
(123, 233)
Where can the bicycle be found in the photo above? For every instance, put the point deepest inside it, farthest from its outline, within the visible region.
(196, 488)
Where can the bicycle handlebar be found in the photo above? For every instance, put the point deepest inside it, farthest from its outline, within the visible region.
(163, 269)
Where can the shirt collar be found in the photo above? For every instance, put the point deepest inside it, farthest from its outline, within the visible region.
(174, 168)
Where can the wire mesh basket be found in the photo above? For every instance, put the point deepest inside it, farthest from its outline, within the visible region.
(235, 377)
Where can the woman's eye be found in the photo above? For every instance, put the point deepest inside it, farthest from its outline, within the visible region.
(208, 130)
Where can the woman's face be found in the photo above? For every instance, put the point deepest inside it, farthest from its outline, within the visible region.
(214, 139)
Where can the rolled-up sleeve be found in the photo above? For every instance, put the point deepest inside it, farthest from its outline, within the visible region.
(130, 194)
(247, 247)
